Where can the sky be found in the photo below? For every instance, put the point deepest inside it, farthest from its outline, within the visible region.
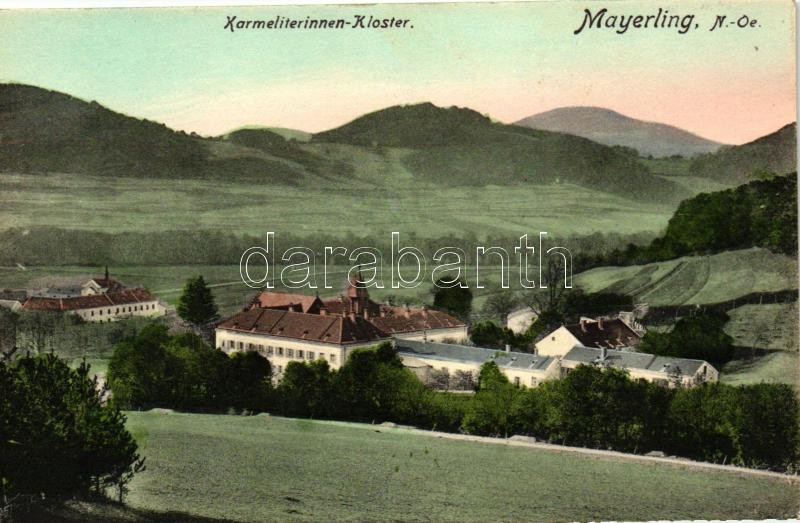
(181, 67)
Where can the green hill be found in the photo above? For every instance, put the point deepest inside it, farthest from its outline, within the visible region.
(47, 131)
(277, 145)
(776, 152)
(457, 146)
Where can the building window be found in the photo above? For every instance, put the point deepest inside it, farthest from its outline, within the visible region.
(117, 311)
(241, 345)
(280, 351)
(516, 381)
(533, 381)
(270, 350)
(92, 313)
(310, 355)
(101, 312)
(333, 358)
(290, 353)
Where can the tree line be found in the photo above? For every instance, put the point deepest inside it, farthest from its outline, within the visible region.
(45, 245)
(754, 426)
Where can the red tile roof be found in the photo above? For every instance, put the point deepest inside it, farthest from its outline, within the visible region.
(287, 301)
(385, 319)
(609, 334)
(124, 297)
(395, 320)
(324, 328)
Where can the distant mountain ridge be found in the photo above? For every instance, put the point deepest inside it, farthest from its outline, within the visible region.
(612, 128)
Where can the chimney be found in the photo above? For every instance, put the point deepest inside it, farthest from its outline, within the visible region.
(600, 323)
(353, 317)
(508, 347)
(323, 311)
(583, 325)
(366, 313)
(406, 312)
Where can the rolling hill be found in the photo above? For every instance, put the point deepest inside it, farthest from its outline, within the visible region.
(460, 146)
(612, 128)
(48, 131)
(696, 280)
(776, 152)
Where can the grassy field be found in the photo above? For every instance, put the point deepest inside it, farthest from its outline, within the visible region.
(771, 326)
(696, 279)
(777, 367)
(400, 203)
(263, 468)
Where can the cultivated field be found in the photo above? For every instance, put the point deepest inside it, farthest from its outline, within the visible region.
(776, 367)
(267, 468)
(696, 279)
(771, 326)
(399, 203)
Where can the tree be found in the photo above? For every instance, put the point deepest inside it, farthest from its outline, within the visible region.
(197, 373)
(248, 376)
(490, 335)
(140, 370)
(500, 304)
(196, 304)
(58, 439)
(455, 300)
(305, 388)
(490, 411)
(601, 408)
(700, 337)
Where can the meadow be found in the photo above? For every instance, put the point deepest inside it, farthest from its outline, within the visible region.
(268, 468)
(768, 326)
(775, 367)
(363, 208)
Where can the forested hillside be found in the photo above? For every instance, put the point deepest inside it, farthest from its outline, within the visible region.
(776, 152)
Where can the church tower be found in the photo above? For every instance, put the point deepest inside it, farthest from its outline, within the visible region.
(358, 295)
